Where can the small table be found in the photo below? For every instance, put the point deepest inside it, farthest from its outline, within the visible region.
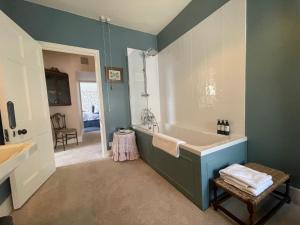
(124, 146)
(278, 177)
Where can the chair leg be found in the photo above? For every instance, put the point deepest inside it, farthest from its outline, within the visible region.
(55, 143)
(76, 137)
(63, 141)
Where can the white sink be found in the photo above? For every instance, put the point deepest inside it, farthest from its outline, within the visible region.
(12, 155)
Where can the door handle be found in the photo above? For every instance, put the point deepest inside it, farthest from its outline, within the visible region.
(11, 115)
(23, 131)
(6, 135)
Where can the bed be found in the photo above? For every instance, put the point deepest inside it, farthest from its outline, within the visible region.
(91, 119)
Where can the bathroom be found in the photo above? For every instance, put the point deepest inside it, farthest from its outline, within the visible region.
(203, 62)
(189, 87)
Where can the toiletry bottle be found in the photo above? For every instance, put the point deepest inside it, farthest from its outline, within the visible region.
(227, 128)
(219, 127)
(222, 127)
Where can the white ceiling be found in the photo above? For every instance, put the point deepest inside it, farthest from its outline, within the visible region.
(149, 16)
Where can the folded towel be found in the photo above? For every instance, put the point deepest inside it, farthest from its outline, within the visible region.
(229, 178)
(249, 190)
(245, 176)
(166, 143)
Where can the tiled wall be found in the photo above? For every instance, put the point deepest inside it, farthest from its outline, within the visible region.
(202, 74)
(136, 85)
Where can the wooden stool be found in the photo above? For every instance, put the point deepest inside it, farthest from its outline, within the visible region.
(279, 178)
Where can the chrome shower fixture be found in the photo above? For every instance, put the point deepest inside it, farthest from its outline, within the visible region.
(148, 119)
(150, 52)
(104, 19)
(147, 116)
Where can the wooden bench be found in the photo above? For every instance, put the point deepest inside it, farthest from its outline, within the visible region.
(252, 202)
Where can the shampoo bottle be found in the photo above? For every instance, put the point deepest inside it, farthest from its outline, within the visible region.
(227, 128)
(222, 127)
(219, 127)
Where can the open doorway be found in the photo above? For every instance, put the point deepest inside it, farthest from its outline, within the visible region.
(75, 99)
(89, 106)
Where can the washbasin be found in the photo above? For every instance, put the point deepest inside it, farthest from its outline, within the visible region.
(12, 155)
(8, 151)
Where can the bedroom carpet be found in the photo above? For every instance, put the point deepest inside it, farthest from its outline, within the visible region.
(91, 129)
(88, 150)
(129, 193)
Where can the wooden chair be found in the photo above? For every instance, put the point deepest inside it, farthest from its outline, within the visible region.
(61, 133)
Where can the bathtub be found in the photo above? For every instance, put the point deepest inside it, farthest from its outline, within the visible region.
(201, 157)
(197, 142)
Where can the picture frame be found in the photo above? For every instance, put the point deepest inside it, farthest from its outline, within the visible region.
(114, 74)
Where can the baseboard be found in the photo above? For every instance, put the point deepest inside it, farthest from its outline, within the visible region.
(108, 154)
(295, 195)
(6, 207)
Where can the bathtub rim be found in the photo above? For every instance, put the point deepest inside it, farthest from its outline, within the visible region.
(203, 150)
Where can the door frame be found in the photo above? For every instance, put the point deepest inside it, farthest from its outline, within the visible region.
(96, 54)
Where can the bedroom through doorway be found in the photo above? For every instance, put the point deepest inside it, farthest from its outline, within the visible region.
(74, 105)
(89, 106)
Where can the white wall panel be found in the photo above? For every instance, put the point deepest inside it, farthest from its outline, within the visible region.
(202, 74)
(136, 85)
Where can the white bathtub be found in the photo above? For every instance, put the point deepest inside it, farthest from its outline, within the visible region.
(197, 142)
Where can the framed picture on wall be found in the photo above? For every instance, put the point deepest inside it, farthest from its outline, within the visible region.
(114, 74)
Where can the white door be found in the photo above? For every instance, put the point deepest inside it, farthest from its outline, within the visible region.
(22, 82)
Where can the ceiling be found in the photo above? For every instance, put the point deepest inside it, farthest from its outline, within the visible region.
(149, 16)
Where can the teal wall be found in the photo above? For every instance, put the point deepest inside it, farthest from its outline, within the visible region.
(191, 15)
(273, 84)
(4, 191)
(47, 24)
(272, 77)
(4, 6)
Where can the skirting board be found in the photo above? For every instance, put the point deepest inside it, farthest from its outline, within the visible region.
(295, 195)
(6, 207)
(108, 154)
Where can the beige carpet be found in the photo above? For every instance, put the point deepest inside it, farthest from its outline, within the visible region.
(130, 193)
(88, 150)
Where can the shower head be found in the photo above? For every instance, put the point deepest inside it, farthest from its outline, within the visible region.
(150, 52)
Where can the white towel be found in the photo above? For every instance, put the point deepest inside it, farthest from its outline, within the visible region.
(249, 190)
(246, 176)
(166, 143)
(229, 178)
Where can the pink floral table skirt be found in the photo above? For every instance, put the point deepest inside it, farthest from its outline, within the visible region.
(124, 147)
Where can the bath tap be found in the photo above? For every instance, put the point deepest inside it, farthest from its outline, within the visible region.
(148, 119)
(155, 125)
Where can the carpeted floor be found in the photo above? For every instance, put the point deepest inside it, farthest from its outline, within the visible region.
(131, 193)
(88, 150)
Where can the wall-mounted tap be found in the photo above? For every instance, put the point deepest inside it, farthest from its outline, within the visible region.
(148, 119)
